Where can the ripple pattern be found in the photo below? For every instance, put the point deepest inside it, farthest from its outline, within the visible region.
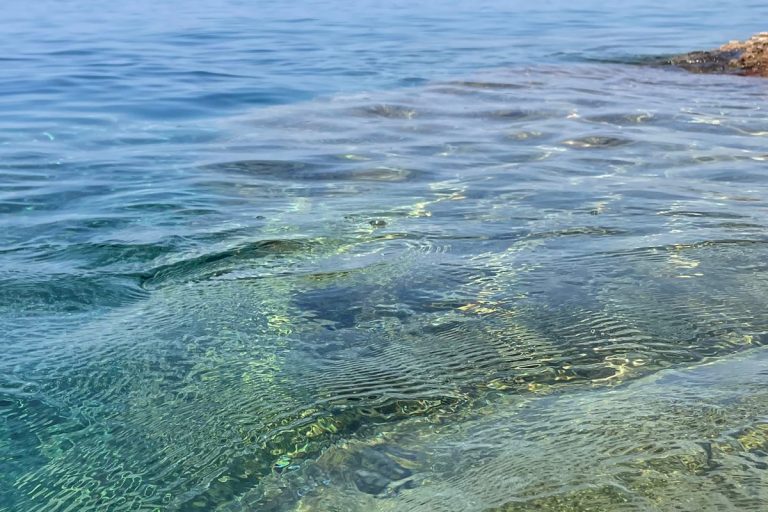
(468, 294)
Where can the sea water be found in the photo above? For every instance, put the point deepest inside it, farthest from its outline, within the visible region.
(349, 256)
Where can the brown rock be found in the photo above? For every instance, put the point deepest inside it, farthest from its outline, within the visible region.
(754, 54)
(748, 57)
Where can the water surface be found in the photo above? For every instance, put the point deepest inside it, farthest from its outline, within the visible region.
(380, 258)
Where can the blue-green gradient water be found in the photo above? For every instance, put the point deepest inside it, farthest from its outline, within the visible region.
(346, 256)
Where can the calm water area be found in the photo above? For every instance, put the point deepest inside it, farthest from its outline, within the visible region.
(395, 256)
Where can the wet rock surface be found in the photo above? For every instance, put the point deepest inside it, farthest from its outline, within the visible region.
(748, 57)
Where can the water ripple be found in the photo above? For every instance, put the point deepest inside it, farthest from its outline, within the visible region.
(390, 300)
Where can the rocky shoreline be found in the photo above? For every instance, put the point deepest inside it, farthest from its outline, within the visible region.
(748, 58)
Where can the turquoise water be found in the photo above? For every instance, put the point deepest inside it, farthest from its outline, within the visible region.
(326, 257)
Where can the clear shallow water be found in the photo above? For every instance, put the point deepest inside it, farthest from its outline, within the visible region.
(397, 258)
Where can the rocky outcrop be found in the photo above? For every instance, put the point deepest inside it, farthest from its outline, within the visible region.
(748, 57)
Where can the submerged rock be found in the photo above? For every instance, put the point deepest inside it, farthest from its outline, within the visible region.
(748, 57)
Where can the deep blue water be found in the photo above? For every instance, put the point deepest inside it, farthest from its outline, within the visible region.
(352, 256)
(172, 61)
